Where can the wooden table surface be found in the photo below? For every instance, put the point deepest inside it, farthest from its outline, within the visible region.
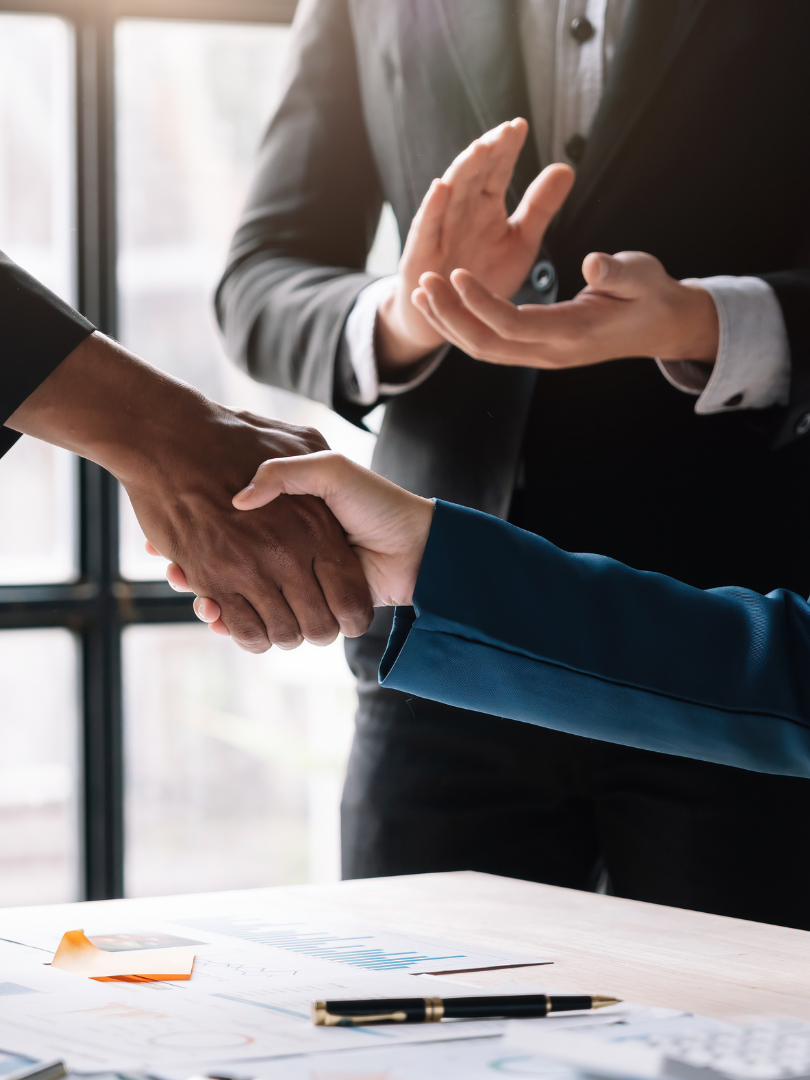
(642, 953)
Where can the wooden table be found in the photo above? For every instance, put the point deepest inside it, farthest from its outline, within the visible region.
(642, 953)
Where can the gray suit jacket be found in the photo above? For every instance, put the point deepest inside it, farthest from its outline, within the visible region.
(358, 125)
(381, 95)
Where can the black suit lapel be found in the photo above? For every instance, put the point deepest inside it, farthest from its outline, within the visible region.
(483, 42)
(655, 34)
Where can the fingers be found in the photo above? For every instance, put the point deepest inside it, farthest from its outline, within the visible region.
(309, 607)
(293, 575)
(208, 612)
(177, 578)
(250, 630)
(317, 474)
(386, 526)
(499, 314)
(479, 176)
(505, 144)
(307, 553)
(303, 613)
(538, 325)
(444, 308)
(631, 307)
(627, 275)
(425, 234)
(541, 201)
(356, 496)
(343, 587)
(206, 609)
(487, 163)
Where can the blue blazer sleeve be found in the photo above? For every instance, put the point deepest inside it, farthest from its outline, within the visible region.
(504, 622)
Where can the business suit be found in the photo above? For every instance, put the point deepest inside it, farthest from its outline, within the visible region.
(380, 97)
(37, 332)
(505, 622)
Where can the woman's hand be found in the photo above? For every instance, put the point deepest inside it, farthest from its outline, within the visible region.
(386, 526)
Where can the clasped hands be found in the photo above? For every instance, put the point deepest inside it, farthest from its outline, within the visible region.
(463, 258)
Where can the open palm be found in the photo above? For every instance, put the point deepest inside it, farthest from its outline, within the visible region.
(463, 223)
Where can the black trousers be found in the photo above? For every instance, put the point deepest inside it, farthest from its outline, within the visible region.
(434, 788)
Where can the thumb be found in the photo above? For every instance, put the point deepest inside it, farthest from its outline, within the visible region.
(626, 275)
(323, 474)
(543, 198)
(360, 500)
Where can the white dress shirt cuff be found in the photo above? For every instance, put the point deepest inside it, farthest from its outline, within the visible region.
(752, 369)
(357, 359)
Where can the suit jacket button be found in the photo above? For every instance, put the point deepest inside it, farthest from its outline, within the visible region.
(803, 424)
(581, 29)
(575, 147)
(543, 276)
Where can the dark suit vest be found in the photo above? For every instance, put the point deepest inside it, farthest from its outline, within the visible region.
(713, 177)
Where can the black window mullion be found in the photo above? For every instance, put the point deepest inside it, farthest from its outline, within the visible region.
(100, 604)
(115, 603)
(103, 847)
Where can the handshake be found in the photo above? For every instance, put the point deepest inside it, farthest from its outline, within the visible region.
(324, 539)
(463, 257)
(386, 527)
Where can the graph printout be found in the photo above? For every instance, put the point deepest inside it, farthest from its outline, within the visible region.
(358, 947)
(257, 968)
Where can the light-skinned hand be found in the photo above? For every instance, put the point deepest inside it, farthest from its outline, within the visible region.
(386, 526)
(463, 222)
(629, 307)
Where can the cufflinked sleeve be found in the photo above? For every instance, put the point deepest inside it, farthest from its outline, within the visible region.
(504, 622)
(37, 332)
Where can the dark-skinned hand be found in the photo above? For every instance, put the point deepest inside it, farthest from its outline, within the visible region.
(279, 576)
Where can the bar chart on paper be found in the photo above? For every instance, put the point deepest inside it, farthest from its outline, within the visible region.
(365, 948)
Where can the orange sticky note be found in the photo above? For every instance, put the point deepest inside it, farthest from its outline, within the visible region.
(81, 957)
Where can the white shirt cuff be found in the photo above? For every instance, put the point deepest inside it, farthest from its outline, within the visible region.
(357, 359)
(752, 369)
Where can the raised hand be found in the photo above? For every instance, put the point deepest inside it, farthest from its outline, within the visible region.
(630, 307)
(278, 576)
(463, 222)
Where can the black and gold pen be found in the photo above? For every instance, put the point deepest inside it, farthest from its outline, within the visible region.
(431, 1009)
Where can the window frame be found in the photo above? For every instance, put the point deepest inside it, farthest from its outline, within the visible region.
(100, 604)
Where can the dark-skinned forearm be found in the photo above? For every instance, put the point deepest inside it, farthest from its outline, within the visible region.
(105, 404)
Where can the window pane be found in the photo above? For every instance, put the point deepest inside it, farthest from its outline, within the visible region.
(234, 762)
(38, 523)
(36, 147)
(193, 100)
(37, 482)
(39, 768)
